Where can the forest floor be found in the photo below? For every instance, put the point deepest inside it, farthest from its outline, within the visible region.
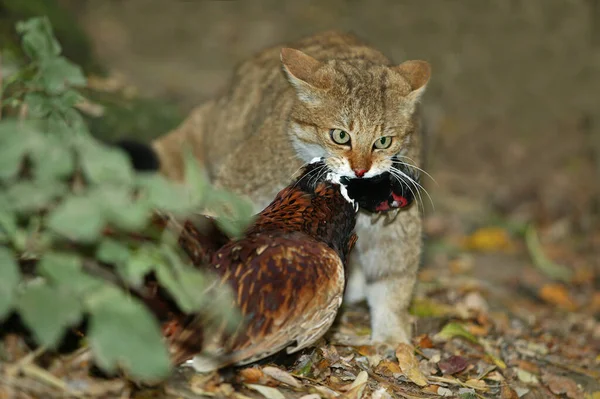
(508, 298)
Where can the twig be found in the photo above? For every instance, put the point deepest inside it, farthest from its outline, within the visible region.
(16, 367)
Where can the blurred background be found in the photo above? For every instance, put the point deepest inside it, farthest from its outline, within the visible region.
(512, 109)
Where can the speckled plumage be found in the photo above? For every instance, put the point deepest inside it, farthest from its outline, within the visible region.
(287, 276)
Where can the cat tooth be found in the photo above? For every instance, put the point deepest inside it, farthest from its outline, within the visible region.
(391, 216)
(375, 217)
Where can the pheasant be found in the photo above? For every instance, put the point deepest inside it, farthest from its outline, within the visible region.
(286, 273)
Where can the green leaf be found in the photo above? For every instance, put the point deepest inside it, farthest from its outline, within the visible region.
(105, 165)
(8, 224)
(64, 271)
(38, 104)
(121, 210)
(15, 140)
(48, 311)
(57, 74)
(38, 39)
(234, 213)
(195, 178)
(113, 252)
(452, 330)
(123, 333)
(141, 262)
(183, 282)
(30, 196)
(541, 261)
(166, 195)
(10, 277)
(78, 218)
(52, 159)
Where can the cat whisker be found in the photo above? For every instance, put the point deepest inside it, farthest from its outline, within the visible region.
(416, 184)
(297, 170)
(310, 172)
(412, 165)
(401, 179)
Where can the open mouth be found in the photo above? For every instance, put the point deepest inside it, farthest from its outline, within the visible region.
(384, 192)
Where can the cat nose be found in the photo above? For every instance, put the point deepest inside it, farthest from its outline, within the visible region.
(360, 172)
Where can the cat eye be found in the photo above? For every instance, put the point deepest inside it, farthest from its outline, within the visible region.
(383, 142)
(339, 136)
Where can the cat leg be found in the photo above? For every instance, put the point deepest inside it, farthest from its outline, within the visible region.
(390, 256)
(357, 284)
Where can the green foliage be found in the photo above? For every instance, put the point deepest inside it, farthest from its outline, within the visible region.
(79, 211)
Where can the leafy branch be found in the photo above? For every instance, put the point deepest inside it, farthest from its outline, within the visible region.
(77, 211)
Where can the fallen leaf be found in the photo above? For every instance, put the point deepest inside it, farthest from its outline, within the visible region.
(561, 385)
(388, 368)
(326, 392)
(251, 374)
(477, 384)
(311, 396)
(267, 392)
(489, 239)
(425, 342)
(361, 379)
(424, 307)
(281, 376)
(527, 377)
(557, 294)
(453, 365)
(452, 330)
(409, 365)
(381, 393)
(507, 392)
(441, 391)
(366, 350)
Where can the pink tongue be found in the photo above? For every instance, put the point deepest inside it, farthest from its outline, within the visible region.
(382, 207)
(402, 202)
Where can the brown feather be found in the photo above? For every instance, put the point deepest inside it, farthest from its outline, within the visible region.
(287, 275)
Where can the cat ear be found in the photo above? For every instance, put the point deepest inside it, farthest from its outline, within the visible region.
(417, 73)
(308, 75)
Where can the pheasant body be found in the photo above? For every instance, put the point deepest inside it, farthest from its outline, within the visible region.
(286, 273)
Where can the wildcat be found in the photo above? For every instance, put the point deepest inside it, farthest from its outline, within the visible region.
(331, 96)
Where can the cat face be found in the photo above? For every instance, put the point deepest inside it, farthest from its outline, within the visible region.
(355, 114)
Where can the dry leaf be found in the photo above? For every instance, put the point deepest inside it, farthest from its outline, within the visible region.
(358, 386)
(557, 294)
(251, 374)
(527, 377)
(381, 393)
(281, 376)
(441, 391)
(489, 239)
(409, 365)
(361, 379)
(507, 392)
(453, 365)
(267, 392)
(326, 392)
(561, 385)
(425, 342)
(477, 384)
(386, 367)
(311, 396)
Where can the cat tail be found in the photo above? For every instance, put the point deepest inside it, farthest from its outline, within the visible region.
(143, 156)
